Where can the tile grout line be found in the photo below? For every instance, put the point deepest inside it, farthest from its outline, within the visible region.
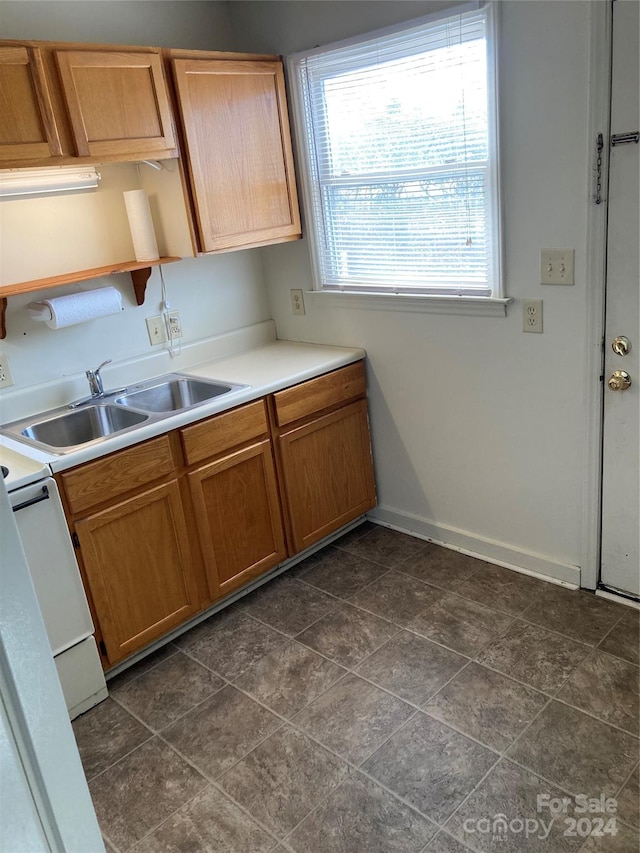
(151, 668)
(126, 755)
(180, 716)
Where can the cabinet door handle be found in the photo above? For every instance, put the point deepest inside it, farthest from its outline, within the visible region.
(42, 497)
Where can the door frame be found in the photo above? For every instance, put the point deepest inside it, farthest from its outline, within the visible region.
(600, 51)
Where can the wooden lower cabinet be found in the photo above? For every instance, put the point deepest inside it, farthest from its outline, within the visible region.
(136, 557)
(328, 474)
(238, 517)
(169, 526)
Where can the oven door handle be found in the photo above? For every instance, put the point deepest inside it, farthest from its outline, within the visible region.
(44, 496)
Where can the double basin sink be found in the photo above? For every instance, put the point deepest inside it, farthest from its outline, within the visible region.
(66, 430)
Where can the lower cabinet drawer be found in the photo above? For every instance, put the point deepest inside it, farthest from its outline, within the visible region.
(333, 389)
(222, 433)
(113, 476)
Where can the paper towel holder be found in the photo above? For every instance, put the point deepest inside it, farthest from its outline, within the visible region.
(140, 272)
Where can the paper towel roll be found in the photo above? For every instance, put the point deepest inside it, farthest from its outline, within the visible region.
(141, 225)
(77, 307)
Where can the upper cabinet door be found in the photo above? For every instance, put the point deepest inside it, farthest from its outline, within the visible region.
(234, 115)
(28, 129)
(117, 102)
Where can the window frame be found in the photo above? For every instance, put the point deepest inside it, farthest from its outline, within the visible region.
(396, 297)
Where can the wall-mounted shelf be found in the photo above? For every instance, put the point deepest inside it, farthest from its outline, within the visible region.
(140, 272)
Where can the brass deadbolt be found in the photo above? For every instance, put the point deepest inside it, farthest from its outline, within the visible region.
(621, 345)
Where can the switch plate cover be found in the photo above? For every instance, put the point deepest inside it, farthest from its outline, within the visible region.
(556, 266)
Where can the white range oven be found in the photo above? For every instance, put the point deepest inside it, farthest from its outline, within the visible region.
(39, 516)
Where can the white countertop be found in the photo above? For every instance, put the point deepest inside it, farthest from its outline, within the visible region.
(264, 369)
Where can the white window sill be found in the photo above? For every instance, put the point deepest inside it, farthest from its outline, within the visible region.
(478, 306)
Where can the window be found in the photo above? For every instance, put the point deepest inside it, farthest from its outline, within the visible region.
(398, 143)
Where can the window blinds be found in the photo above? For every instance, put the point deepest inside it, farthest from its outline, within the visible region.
(398, 151)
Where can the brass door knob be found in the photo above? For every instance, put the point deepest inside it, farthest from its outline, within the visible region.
(621, 345)
(619, 380)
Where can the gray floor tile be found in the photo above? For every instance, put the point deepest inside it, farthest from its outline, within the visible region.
(501, 589)
(608, 688)
(397, 597)
(574, 613)
(221, 730)
(576, 752)
(142, 666)
(289, 678)
(440, 566)
(629, 800)
(353, 718)
(462, 625)
(384, 546)
(340, 573)
(510, 792)
(287, 605)
(430, 766)
(140, 791)
(235, 646)
(210, 823)
(207, 627)
(444, 843)
(624, 639)
(537, 657)
(411, 667)
(164, 693)
(624, 841)
(283, 779)
(105, 734)
(354, 534)
(347, 634)
(486, 705)
(361, 817)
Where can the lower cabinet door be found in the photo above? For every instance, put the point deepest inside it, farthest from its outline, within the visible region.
(328, 473)
(137, 561)
(238, 517)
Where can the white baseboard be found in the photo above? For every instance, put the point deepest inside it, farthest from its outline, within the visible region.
(526, 562)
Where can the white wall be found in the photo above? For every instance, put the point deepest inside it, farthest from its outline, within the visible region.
(213, 294)
(477, 428)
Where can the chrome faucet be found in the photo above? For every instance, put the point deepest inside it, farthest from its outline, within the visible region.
(95, 380)
(96, 388)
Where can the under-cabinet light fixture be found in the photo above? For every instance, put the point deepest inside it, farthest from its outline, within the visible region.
(15, 183)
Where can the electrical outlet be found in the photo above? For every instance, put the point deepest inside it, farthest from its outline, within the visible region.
(175, 326)
(556, 266)
(532, 315)
(297, 302)
(6, 379)
(156, 329)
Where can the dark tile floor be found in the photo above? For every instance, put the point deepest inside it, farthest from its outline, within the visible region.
(384, 696)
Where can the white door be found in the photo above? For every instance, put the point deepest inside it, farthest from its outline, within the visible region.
(620, 560)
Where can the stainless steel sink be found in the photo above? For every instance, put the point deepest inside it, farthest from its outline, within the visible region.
(73, 429)
(90, 422)
(174, 394)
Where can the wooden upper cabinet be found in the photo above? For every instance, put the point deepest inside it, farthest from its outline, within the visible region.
(117, 102)
(240, 162)
(28, 128)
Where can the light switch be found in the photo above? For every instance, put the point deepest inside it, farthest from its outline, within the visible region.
(556, 266)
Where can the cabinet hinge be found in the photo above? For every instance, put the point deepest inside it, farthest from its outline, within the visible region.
(75, 540)
(103, 648)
